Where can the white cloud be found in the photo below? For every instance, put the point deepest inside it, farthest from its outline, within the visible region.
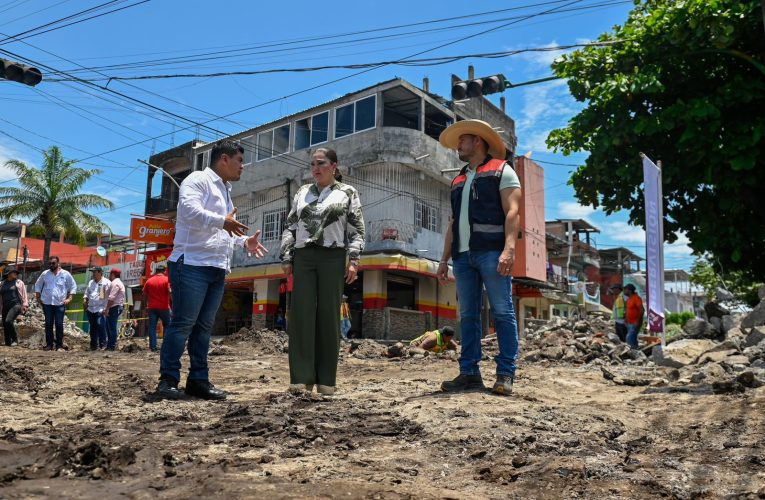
(621, 231)
(573, 210)
(8, 153)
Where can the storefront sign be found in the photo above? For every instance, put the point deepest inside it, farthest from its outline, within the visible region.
(152, 231)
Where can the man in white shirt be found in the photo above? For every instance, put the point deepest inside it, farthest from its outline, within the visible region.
(114, 306)
(96, 296)
(206, 232)
(54, 289)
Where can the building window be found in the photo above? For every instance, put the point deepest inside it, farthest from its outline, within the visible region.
(264, 145)
(273, 142)
(356, 116)
(311, 131)
(425, 216)
(273, 224)
(202, 161)
(249, 147)
(244, 219)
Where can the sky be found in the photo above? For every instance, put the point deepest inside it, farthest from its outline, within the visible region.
(111, 130)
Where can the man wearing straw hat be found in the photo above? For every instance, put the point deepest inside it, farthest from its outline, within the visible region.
(485, 199)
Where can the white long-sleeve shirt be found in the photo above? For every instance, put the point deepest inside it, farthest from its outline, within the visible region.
(203, 204)
(97, 294)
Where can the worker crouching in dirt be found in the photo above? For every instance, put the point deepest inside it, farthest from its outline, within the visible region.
(436, 341)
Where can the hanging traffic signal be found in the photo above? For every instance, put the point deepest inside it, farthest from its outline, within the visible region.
(18, 72)
(479, 86)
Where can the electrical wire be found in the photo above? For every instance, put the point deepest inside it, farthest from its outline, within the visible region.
(430, 61)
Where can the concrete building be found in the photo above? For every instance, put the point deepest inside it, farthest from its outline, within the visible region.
(386, 137)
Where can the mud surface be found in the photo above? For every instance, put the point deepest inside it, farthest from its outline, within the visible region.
(80, 425)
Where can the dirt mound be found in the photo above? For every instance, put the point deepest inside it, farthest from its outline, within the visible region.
(90, 459)
(264, 340)
(20, 378)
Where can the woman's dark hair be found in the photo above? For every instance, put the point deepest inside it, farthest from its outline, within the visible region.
(331, 155)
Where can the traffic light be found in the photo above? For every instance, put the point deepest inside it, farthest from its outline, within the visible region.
(479, 86)
(18, 72)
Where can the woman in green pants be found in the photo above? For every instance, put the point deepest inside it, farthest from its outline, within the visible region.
(321, 244)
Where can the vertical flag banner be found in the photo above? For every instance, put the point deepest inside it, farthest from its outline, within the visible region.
(654, 245)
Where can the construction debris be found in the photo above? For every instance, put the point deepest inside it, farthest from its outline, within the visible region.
(31, 330)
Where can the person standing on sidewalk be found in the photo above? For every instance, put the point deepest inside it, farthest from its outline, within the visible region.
(96, 297)
(321, 245)
(114, 306)
(485, 199)
(54, 289)
(206, 232)
(157, 292)
(13, 301)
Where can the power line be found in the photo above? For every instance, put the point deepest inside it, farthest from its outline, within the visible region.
(430, 61)
(35, 31)
(35, 12)
(288, 42)
(325, 42)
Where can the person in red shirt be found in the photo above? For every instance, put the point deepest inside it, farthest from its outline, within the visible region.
(634, 315)
(157, 293)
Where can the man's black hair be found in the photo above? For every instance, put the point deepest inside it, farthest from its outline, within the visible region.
(224, 147)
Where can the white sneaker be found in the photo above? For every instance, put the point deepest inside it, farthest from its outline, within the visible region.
(14, 344)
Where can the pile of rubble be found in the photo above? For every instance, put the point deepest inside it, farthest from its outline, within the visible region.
(31, 330)
(371, 349)
(263, 339)
(578, 341)
(725, 352)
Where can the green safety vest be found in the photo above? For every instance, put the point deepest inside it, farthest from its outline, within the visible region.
(440, 347)
(620, 308)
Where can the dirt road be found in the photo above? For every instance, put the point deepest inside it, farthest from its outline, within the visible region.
(78, 425)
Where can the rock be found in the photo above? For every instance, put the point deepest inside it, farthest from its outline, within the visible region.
(716, 356)
(554, 352)
(736, 359)
(730, 321)
(726, 345)
(715, 310)
(755, 352)
(533, 356)
(716, 324)
(519, 461)
(754, 318)
(723, 295)
(698, 329)
(681, 353)
(735, 335)
(581, 326)
(710, 372)
(749, 379)
(761, 292)
(756, 336)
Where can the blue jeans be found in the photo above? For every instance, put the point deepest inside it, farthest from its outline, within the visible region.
(632, 335)
(111, 326)
(475, 270)
(97, 330)
(197, 293)
(154, 315)
(54, 314)
(345, 327)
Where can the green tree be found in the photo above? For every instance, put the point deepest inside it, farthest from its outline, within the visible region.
(50, 199)
(681, 81)
(740, 283)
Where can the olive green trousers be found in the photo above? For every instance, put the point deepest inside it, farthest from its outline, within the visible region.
(314, 318)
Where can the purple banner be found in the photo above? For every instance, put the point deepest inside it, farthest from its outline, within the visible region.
(654, 241)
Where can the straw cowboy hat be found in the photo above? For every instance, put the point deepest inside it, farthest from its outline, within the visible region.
(450, 137)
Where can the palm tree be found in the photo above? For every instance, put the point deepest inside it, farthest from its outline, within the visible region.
(50, 199)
